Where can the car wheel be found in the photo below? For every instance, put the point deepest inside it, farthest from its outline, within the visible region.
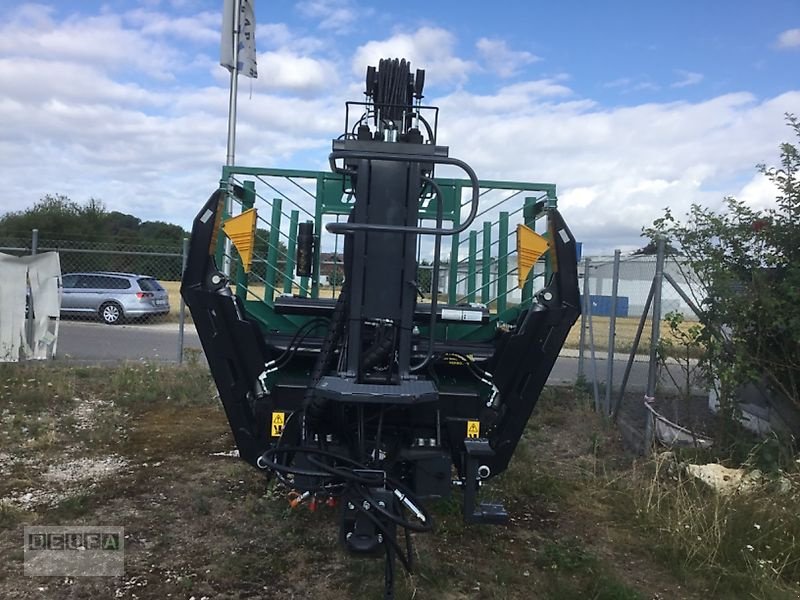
(111, 313)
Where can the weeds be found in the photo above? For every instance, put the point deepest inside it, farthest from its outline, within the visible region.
(578, 509)
(568, 555)
(747, 542)
(10, 516)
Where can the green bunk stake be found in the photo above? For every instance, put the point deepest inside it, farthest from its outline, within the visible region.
(471, 267)
(288, 275)
(486, 262)
(272, 251)
(502, 264)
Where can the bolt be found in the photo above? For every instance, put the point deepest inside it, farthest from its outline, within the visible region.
(380, 538)
(350, 506)
(365, 505)
(548, 296)
(381, 503)
(216, 279)
(349, 535)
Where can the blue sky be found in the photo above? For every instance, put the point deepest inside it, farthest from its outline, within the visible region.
(627, 106)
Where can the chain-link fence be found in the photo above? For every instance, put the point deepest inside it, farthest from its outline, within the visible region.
(620, 353)
(117, 283)
(637, 345)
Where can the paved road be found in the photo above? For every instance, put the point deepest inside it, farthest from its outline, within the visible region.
(89, 341)
(97, 342)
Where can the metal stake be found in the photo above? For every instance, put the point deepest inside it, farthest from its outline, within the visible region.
(656, 331)
(182, 313)
(612, 333)
(582, 342)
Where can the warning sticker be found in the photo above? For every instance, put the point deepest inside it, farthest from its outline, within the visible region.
(473, 429)
(278, 419)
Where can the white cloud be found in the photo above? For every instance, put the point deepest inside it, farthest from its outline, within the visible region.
(502, 60)
(687, 78)
(788, 39)
(334, 15)
(285, 70)
(430, 48)
(759, 192)
(78, 123)
(616, 169)
(627, 85)
(202, 27)
(69, 82)
(621, 82)
(102, 40)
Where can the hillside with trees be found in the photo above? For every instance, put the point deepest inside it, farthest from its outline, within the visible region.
(91, 238)
(62, 222)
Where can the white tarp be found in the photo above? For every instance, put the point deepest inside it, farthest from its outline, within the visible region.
(29, 306)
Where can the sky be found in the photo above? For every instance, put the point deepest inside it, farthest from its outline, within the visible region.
(627, 106)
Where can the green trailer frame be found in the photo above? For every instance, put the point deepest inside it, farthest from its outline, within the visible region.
(488, 243)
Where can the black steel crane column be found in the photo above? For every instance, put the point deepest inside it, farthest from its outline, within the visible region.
(384, 263)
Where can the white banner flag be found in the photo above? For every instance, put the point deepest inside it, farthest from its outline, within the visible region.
(247, 37)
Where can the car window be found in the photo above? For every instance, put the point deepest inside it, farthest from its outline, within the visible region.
(103, 282)
(148, 284)
(118, 283)
(69, 281)
(87, 282)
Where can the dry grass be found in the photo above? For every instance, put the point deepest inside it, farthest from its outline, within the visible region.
(199, 525)
(625, 333)
(586, 521)
(745, 543)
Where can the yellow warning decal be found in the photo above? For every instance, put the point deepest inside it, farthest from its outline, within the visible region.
(530, 246)
(241, 230)
(278, 419)
(473, 429)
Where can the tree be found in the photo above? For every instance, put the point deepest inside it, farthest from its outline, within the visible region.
(65, 224)
(57, 217)
(336, 277)
(651, 249)
(749, 263)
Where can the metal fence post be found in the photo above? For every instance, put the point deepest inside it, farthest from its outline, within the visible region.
(582, 342)
(637, 338)
(595, 388)
(649, 431)
(182, 313)
(34, 242)
(656, 331)
(612, 332)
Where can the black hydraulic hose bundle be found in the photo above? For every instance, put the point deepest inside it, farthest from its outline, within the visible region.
(345, 476)
(294, 344)
(379, 351)
(393, 92)
(314, 405)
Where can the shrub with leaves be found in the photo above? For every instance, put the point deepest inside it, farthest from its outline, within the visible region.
(749, 263)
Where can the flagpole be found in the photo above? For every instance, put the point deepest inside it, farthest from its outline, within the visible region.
(230, 158)
(234, 87)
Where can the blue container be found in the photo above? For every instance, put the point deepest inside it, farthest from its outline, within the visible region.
(601, 305)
